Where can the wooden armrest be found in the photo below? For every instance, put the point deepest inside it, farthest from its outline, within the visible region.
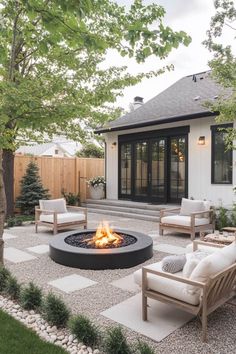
(75, 207)
(173, 277)
(202, 212)
(39, 211)
(210, 244)
(173, 210)
(170, 210)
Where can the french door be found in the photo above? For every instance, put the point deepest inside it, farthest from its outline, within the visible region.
(153, 169)
(149, 170)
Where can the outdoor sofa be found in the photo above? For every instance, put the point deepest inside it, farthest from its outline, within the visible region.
(212, 284)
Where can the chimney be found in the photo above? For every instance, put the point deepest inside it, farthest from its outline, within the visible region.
(138, 101)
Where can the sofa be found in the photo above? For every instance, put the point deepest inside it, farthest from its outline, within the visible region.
(210, 284)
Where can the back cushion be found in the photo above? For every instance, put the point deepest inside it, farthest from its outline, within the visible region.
(58, 205)
(189, 206)
(230, 252)
(209, 266)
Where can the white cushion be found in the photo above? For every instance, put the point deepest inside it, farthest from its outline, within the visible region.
(193, 259)
(166, 286)
(189, 266)
(189, 206)
(210, 266)
(229, 252)
(58, 205)
(63, 217)
(183, 220)
(207, 205)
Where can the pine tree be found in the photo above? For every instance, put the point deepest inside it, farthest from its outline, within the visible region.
(32, 190)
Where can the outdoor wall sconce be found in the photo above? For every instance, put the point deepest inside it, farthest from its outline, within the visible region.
(113, 144)
(201, 140)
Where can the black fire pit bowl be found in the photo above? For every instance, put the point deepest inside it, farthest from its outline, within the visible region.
(110, 258)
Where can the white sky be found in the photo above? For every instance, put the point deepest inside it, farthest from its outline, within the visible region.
(191, 16)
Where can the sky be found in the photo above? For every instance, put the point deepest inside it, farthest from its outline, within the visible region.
(191, 16)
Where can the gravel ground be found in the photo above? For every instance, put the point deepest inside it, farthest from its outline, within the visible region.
(95, 299)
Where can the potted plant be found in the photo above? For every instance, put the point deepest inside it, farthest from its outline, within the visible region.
(71, 199)
(97, 187)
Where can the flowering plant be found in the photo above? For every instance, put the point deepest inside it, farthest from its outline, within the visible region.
(97, 181)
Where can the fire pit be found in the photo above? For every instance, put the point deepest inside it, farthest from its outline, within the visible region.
(101, 249)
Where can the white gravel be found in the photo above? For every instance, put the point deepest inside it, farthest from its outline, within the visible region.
(93, 300)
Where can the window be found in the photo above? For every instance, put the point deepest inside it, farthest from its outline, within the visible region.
(221, 157)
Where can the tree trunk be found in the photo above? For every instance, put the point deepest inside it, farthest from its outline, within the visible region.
(8, 176)
(2, 207)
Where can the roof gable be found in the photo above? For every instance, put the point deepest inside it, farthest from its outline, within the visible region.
(185, 98)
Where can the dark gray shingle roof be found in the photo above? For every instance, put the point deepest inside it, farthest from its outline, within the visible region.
(184, 99)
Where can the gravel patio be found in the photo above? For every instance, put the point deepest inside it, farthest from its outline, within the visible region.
(103, 293)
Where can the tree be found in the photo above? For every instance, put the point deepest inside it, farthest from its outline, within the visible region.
(91, 150)
(2, 208)
(223, 64)
(51, 56)
(32, 190)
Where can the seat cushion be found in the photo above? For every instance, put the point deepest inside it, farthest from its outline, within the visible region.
(183, 220)
(63, 217)
(189, 206)
(166, 286)
(58, 205)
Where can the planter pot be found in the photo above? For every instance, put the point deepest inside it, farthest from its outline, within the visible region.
(97, 192)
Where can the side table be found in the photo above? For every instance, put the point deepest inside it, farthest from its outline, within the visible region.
(218, 238)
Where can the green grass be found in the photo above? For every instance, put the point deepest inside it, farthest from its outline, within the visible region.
(17, 339)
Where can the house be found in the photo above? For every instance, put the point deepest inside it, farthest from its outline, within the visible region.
(55, 148)
(170, 147)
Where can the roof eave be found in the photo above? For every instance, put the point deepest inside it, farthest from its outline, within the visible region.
(157, 122)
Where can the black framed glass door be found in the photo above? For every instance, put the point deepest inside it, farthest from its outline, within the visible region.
(157, 169)
(177, 168)
(153, 169)
(141, 169)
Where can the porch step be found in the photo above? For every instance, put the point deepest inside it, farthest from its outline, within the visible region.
(125, 209)
(124, 215)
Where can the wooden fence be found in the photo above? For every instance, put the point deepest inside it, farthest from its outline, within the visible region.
(60, 173)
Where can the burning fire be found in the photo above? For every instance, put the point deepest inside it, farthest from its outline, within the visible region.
(105, 236)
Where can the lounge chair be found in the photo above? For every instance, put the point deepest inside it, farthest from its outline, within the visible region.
(193, 216)
(57, 215)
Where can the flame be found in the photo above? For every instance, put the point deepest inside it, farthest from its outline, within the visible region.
(105, 236)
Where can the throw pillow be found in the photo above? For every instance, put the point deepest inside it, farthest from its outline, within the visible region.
(207, 267)
(173, 264)
(189, 266)
(193, 259)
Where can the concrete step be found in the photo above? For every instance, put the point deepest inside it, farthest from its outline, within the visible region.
(124, 214)
(124, 209)
(127, 203)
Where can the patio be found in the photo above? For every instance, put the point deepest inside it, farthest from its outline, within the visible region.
(107, 294)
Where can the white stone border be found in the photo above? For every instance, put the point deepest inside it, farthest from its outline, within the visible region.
(61, 337)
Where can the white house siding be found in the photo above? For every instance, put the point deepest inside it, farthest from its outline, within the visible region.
(199, 162)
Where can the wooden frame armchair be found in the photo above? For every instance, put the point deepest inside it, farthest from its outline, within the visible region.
(195, 222)
(219, 289)
(74, 217)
